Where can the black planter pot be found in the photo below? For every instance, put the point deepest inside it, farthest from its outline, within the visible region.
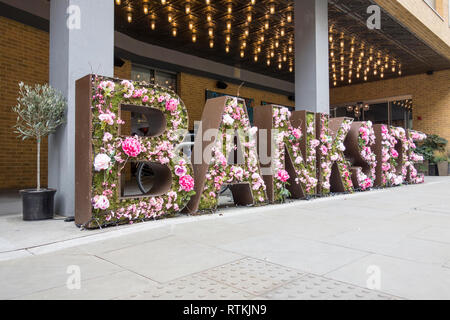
(38, 205)
(432, 169)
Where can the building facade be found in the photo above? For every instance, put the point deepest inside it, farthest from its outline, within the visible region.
(33, 51)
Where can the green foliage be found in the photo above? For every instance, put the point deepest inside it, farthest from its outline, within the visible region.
(40, 111)
(432, 144)
(440, 158)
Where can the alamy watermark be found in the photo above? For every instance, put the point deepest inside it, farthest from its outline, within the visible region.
(374, 21)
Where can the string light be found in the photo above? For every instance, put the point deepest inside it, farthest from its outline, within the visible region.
(350, 58)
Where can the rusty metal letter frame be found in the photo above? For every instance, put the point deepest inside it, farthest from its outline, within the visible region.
(286, 148)
(359, 152)
(102, 152)
(226, 120)
(333, 169)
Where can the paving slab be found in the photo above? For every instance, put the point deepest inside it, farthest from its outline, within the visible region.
(168, 259)
(102, 288)
(251, 275)
(312, 287)
(398, 277)
(24, 276)
(192, 287)
(301, 254)
(437, 234)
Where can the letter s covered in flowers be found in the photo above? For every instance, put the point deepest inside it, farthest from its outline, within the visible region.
(99, 189)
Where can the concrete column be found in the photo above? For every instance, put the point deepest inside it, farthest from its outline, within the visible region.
(81, 42)
(311, 56)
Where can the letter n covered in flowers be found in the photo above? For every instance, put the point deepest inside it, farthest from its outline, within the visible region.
(104, 148)
(226, 123)
(334, 169)
(286, 172)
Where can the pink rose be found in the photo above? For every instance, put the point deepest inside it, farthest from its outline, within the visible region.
(131, 147)
(145, 99)
(187, 183)
(100, 202)
(297, 133)
(172, 104)
(180, 171)
(107, 117)
(283, 175)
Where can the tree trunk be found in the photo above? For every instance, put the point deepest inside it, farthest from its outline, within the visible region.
(38, 164)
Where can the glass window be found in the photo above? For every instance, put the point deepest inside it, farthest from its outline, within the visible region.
(162, 78)
(167, 80)
(141, 74)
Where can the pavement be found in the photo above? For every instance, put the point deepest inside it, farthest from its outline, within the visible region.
(383, 244)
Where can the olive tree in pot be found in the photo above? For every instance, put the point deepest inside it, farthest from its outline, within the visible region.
(40, 111)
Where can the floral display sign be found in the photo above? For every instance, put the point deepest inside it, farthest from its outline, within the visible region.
(288, 174)
(306, 154)
(331, 156)
(108, 151)
(359, 152)
(390, 158)
(229, 115)
(413, 176)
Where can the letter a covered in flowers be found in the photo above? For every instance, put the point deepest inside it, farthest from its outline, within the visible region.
(286, 173)
(334, 169)
(102, 152)
(227, 119)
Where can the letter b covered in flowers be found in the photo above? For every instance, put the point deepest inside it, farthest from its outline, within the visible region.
(102, 151)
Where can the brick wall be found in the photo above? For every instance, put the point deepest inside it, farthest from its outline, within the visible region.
(431, 98)
(24, 54)
(192, 88)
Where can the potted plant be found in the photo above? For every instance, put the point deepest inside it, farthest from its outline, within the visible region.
(442, 165)
(428, 148)
(40, 111)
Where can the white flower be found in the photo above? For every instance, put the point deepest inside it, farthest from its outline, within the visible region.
(228, 120)
(107, 136)
(100, 202)
(253, 131)
(106, 117)
(102, 162)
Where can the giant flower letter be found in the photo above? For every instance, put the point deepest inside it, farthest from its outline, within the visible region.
(102, 152)
(227, 118)
(334, 169)
(286, 172)
(359, 151)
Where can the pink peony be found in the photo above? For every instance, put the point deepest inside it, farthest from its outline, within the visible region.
(100, 202)
(187, 183)
(131, 147)
(283, 175)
